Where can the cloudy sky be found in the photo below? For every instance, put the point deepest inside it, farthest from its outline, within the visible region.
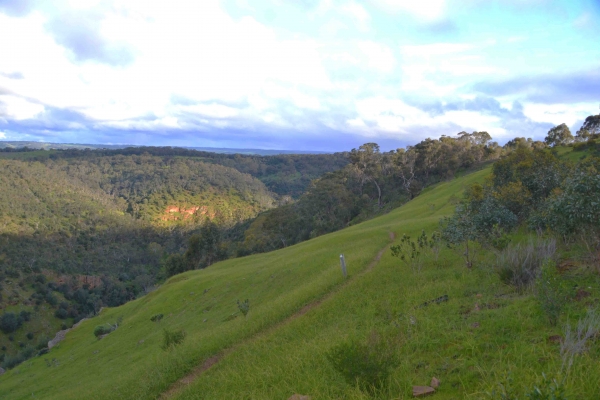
(294, 74)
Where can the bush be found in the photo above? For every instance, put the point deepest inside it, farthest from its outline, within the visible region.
(520, 265)
(364, 364)
(10, 322)
(29, 335)
(172, 338)
(42, 342)
(24, 315)
(156, 317)
(244, 306)
(551, 292)
(13, 361)
(61, 313)
(102, 330)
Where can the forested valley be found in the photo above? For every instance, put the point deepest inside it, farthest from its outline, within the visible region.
(84, 229)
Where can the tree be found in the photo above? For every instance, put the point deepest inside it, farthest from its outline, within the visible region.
(589, 129)
(459, 230)
(367, 162)
(405, 160)
(175, 264)
(10, 322)
(204, 248)
(559, 135)
(576, 208)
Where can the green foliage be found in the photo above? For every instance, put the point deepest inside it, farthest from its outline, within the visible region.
(575, 208)
(551, 292)
(459, 230)
(172, 338)
(411, 252)
(102, 330)
(11, 361)
(559, 135)
(548, 389)
(535, 172)
(244, 307)
(156, 317)
(175, 264)
(590, 128)
(365, 364)
(10, 322)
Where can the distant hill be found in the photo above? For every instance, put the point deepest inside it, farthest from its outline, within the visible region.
(82, 146)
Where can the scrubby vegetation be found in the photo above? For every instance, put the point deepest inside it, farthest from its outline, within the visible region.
(513, 292)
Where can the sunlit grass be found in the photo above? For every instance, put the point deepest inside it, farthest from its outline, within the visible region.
(483, 333)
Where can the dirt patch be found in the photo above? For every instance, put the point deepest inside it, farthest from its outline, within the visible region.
(210, 362)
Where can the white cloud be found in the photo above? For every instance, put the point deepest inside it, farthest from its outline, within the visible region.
(425, 10)
(379, 57)
(212, 110)
(2, 135)
(435, 49)
(559, 113)
(195, 67)
(358, 13)
(19, 109)
(394, 118)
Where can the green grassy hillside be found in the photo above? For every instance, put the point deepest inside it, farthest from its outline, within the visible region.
(301, 308)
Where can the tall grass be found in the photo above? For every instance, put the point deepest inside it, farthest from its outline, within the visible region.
(520, 265)
(576, 340)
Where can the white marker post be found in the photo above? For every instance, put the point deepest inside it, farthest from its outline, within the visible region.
(343, 264)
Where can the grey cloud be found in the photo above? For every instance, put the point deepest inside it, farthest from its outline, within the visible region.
(513, 120)
(12, 75)
(80, 33)
(441, 27)
(16, 8)
(579, 86)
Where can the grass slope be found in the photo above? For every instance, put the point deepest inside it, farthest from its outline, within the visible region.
(271, 354)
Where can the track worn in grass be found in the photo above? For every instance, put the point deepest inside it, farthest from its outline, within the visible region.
(211, 361)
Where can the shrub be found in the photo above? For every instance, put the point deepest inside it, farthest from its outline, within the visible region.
(13, 361)
(24, 315)
(10, 322)
(42, 342)
(172, 338)
(102, 330)
(156, 317)
(29, 335)
(364, 364)
(575, 209)
(551, 292)
(520, 265)
(244, 306)
(61, 313)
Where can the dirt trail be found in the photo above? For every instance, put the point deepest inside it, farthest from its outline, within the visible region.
(210, 362)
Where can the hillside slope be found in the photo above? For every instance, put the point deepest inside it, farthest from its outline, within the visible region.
(300, 309)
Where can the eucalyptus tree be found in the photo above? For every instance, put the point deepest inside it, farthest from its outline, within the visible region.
(589, 129)
(559, 135)
(367, 163)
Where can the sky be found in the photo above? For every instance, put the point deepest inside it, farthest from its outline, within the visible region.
(324, 75)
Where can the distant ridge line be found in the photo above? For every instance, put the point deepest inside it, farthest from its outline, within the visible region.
(81, 146)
